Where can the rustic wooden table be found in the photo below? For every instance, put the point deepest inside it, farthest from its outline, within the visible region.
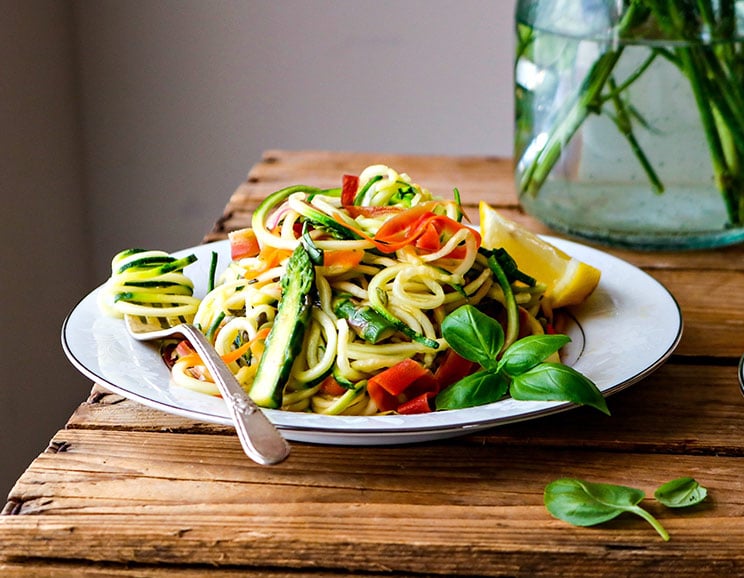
(126, 490)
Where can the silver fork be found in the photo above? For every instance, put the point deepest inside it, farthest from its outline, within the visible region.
(260, 439)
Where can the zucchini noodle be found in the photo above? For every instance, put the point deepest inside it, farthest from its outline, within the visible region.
(389, 261)
(148, 283)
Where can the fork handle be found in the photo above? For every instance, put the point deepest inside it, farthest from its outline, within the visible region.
(260, 439)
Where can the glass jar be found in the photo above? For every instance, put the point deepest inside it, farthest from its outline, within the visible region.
(630, 120)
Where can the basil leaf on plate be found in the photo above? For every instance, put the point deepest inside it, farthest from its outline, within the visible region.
(530, 351)
(557, 382)
(474, 335)
(477, 389)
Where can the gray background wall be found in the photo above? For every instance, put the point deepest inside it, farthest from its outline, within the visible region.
(131, 123)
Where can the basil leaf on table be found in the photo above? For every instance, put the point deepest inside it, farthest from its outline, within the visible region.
(477, 389)
(530, 351)
(474, 335)
(681, 493)
(557, 382)
(584, 503)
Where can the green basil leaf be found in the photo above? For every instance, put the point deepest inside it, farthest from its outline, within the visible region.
(476, 389)
(681, 493)
(584, 503)
(530, 351)
(557, 382)
(474, 335)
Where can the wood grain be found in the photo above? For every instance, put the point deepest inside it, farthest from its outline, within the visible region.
(706, 417)
(67, 570)
(440, 502)
(126, 490)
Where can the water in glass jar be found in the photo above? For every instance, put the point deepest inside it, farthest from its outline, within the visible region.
(631, 165)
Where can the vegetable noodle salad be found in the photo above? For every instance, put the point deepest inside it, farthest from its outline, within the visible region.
(335, 299)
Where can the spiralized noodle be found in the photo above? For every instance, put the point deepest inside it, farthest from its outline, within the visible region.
(148, 283)
(384, 248)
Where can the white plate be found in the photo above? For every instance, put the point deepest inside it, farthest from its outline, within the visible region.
(624, 331)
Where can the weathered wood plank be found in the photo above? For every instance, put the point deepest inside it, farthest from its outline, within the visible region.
(706, 414)
(680, 409)
(342, 543)
(106, 570)
(711, 309)
(425, 508)
(106, 410)
(483, 175)
(105, 473)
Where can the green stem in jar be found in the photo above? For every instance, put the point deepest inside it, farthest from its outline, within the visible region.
(635, 75)
(713, 70)
(716, 100)
(586, 100)
(707, 119)
(571, 117)
(624, 125)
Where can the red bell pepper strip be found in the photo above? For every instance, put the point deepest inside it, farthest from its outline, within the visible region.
(430, 238)
(403, 229)
(420, 404)
(349, 187)
(400, 383)
(383, 400)
(453, 368)
(402, 220)
(417, 226)
(408, 227)
(184, 352)
(397, 378)
(331, 386)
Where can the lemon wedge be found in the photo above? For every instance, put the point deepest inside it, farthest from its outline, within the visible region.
(569, 281)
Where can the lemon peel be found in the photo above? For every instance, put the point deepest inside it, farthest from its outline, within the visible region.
(568, 280)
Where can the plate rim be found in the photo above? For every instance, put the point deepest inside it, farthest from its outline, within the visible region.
(345, 426)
